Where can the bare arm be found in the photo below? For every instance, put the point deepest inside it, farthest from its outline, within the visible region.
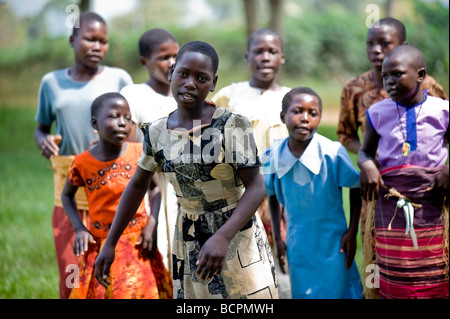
(275, 216)
(47, 143)
(82, 236)
(371, 179)
(348, 241)
(128, 205)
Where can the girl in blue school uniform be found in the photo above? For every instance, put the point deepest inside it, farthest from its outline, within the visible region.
(306, 172)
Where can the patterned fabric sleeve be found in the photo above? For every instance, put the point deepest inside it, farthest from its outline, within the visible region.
(239, 143)
(74, 175)
(347, 126)
(147, 160)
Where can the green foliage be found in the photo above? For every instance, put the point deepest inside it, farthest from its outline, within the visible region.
(325, 45)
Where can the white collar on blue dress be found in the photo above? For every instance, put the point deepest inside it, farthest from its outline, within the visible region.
(311, 158)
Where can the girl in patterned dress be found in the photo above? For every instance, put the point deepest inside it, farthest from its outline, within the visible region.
(209, 155)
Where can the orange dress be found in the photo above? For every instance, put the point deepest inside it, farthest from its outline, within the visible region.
(133, 275)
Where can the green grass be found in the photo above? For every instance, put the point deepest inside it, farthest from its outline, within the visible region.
(28, 267)
(27, 259)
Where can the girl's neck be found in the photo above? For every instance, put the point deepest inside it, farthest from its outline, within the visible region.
(192, 117)
(297, 147)
(82, 73)
(266, 86)
(378, 79)
(417, 98)
(159, 87)
(105, 152)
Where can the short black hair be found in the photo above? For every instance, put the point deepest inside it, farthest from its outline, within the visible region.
(397, 25)
(86, 17)
(101, 101)
(203, 48)
(299, 90)
(263, 31)
(152, 39)
(410, 53)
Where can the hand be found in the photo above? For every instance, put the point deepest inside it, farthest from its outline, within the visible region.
(281, 251)
(82, 239)
(348, 245)
(371, 180)
(103, 265)
(211, 257)
(49, 147)
(148, 237)
(439, 188)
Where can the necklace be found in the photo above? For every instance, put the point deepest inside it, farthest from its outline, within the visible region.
(406, 146)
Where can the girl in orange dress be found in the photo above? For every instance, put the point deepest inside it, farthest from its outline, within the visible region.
(104, 171)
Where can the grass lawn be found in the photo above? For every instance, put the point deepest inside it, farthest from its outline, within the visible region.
(28, 267)
(27, 258)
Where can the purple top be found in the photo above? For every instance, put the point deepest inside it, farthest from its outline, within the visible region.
(422, 125)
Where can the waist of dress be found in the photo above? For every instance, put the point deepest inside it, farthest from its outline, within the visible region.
(202, 210)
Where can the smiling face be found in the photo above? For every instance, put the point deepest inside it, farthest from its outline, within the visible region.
(192, 78)
(265, 56)
(90, 43)
(379, 42)
(302, 117)
(113, 121)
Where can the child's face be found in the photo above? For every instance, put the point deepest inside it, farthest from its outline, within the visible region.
(380, 40)
(160, 61)
(91, 43)
(192, 78)
(302, 117)
(265, 57)
(401, 78)
(113, 122)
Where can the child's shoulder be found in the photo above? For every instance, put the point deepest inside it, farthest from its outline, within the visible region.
(328, 146)
(362, 80)
(55, 75)
(116, 71)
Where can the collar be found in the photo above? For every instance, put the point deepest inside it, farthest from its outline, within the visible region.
(311, 158)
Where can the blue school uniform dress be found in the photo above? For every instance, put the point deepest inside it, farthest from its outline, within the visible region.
(310, 190)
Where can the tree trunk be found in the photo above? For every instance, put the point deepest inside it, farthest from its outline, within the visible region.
(250, 16)
(85, 5)
(276, 15)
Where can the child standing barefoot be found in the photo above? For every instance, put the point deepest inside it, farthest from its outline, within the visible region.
(209, 155)
(104, 171)
(306, 172)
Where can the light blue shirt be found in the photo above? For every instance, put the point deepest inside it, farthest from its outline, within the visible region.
(67, 103)
(310, 190)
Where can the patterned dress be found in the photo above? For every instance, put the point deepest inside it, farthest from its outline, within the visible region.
(202, 166)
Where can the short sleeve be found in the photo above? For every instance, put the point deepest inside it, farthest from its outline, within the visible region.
(148, 160)
(44, 114)
(222, 98)
(347, 175)
(74, 174)
(239, 142)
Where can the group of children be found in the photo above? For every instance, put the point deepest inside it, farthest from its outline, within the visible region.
(253, 187)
